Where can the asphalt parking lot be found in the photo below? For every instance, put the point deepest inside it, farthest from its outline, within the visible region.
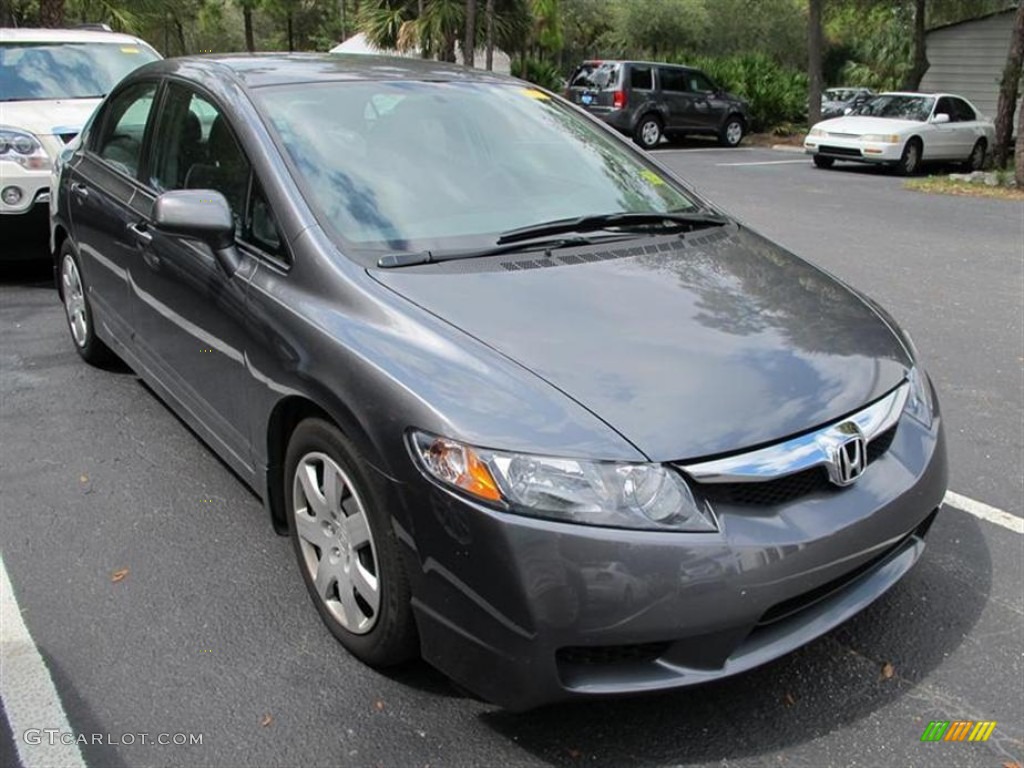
(211, 632)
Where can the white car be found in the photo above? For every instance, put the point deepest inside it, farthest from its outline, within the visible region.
(904, 130)
(51, 80)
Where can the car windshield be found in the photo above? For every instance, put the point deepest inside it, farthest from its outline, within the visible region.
(897, 107)
(439, 165)
(38, 71)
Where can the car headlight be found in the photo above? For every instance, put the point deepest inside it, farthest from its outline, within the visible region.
(24, 149)
(880, 138)
(919, 403)
(816, 132)
(613, 494)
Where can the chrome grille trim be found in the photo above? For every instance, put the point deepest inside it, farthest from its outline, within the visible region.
(801, 453)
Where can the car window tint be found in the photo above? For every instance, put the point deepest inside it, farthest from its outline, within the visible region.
(641, 78)
(124, 125)
(945, 107)
(699, 83)
(672, 79)
(963, 110)
(197, 149)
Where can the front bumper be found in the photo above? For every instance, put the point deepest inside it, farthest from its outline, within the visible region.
(33, 184)
(524, 612)
(853, 150)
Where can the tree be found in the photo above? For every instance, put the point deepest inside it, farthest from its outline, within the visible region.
(469, 41)
(1008, 91)
(660, 28)
(489, 20)
(248, 6)
(1019, 154)
(51, 13)
(920, 62)
(815, 47)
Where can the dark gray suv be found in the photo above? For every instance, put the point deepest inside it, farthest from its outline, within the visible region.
(648, 100)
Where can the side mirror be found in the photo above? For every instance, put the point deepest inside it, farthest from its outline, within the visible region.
(942, 117)
(201, 214)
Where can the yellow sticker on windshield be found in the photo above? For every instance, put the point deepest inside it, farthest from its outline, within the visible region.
(129, 49)
(652, 177)
(533, 93)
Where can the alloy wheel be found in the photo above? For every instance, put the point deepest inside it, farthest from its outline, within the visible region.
(336, 542)
(734, 133)
(650, 133)
(74, 301)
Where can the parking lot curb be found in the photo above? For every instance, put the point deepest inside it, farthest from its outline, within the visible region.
(787, 148)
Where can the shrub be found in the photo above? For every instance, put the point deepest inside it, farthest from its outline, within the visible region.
(543, 73)
(775, 94)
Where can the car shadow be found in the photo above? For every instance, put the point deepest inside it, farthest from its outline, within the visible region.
(835, 681)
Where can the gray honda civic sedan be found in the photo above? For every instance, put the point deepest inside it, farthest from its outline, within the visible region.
(527, 405)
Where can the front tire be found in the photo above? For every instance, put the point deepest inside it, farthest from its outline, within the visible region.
(732, 132)
(648, 131)
(824, 162)
(78, 311)
(910, 161)
(346, 548)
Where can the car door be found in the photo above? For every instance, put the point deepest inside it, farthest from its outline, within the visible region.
(190, 314)
(967, 128)
(673, 95)
(941, 139)
(103, 180)
(707, 110)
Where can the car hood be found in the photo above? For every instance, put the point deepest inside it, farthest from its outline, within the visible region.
(45, 118)
(726, 344)
(858, 124)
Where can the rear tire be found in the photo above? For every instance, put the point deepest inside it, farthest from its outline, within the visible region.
(910, 161)
(976, 160)
(648, 131)
(824, 162)
(346, 547)
(78, 311)
(732, 132)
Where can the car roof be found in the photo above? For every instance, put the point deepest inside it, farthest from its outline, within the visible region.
(263, 69)
(28, 35)
(639, 61)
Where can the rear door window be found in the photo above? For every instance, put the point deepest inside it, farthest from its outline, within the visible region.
(699, 83)
(672, 79)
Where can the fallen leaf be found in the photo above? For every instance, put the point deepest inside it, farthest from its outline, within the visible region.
(1011, 764)
(83, 479)
(118, 575)
(574, 753)
(267, 720)
(790, 701)
(888, 671)
(378, 705)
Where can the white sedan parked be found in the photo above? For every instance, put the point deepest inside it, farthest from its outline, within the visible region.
(904, 130)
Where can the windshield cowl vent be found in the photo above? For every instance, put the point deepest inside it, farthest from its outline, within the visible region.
(572, 259)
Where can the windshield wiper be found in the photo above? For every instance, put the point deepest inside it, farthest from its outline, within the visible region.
(609, 220)
(394, 260)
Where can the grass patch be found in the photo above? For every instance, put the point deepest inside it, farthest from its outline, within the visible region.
(943, 185)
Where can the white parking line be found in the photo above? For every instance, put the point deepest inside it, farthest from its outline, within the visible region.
(766, 162)
(30, 700)
(983, 511)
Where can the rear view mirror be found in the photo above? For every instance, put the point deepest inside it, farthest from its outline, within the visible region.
(201, 214)
(942, 117)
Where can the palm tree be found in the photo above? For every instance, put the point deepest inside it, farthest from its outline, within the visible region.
(469, 42)
(51, 13)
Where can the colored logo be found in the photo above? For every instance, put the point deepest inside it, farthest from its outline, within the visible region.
(958, 730)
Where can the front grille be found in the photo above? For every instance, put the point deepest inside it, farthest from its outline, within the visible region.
(844, 151)
(610, 654)
(791, 487)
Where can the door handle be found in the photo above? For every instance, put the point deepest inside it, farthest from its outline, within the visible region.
(79, 189)
(142, 236)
